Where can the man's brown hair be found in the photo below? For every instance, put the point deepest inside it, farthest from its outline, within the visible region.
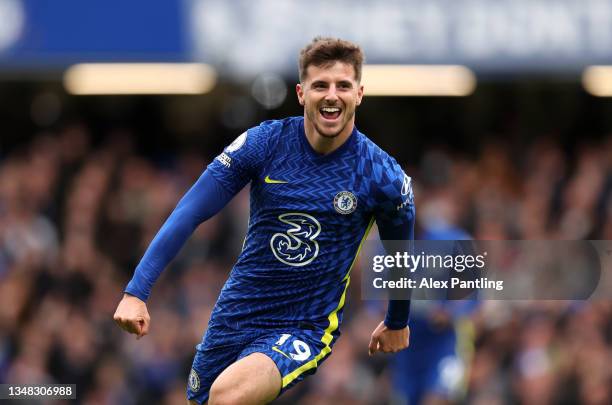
(325, 51)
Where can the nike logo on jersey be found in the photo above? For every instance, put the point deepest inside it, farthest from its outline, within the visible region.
(276, 349)
(270, 181)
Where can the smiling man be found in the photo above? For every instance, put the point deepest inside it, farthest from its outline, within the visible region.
(317, 186)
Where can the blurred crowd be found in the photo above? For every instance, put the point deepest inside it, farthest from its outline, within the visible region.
(76, 217)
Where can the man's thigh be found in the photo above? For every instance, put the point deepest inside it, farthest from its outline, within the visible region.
(253, 379)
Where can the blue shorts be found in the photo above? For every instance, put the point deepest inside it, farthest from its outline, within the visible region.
(296, 353)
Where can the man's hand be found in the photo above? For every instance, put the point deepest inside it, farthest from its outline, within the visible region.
(388, 340)
(132, 315)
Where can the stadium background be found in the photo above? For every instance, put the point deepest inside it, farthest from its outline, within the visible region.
(86, 181)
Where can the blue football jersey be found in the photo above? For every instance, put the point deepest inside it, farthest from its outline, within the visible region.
(309, 214)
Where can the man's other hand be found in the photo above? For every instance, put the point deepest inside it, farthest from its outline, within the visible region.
(388, 340)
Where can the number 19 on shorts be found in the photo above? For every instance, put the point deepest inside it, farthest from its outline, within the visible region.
(299, 351)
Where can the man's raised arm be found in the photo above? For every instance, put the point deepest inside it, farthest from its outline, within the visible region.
(205, 198)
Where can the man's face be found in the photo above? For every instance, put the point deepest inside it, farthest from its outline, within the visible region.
(330, 95)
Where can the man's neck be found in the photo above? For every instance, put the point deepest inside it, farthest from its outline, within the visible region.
(325, 145)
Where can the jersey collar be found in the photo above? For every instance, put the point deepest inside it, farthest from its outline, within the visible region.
(323, 158)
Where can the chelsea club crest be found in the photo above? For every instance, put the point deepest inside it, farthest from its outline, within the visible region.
(194, 381)
(345, 202)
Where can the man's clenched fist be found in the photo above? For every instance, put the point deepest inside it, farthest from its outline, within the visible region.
(387, 340)
(132, 315)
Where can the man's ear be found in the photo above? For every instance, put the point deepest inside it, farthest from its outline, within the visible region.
(299, 90)
(359, 94)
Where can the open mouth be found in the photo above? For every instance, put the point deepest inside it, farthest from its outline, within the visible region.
(330, 113)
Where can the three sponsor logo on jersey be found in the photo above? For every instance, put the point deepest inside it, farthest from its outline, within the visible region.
(297, 245)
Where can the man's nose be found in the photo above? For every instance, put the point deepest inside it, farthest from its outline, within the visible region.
(331, 93)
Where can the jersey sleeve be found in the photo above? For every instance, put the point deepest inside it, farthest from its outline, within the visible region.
(241, 161)
(205, 198)
(394, 198)
(395, 215)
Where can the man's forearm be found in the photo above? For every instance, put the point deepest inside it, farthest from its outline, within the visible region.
(398, 311)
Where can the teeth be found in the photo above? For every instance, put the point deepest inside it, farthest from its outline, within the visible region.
(330, 109)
